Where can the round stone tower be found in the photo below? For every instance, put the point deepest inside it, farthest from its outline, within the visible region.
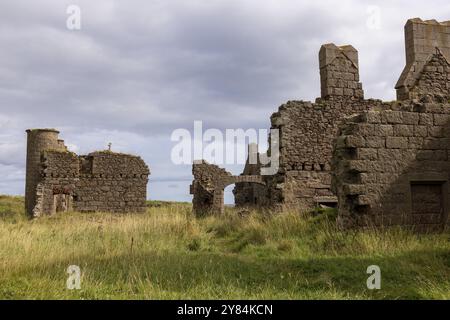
(38, 140)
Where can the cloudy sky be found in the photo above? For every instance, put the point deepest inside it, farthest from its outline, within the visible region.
(137, 70)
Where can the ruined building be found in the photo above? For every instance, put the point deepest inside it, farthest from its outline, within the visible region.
(306, 132)
(379, 162)
(209, 184)
(425, 77)
(391, 165)
(58, 180)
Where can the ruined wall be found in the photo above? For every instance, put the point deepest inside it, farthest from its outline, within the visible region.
(339, 74)
(208, 186)
(38, 141)
(59, 172)
(390, 162)
(247, 194)
(117, 183)
(423, 39)
(307, 131)
(432, 84)
(207, 196)
(391, 167)
(101, 181)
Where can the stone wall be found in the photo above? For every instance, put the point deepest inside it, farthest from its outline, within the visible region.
(423, 39)
(339, 74)
(101, 181)
(207, 198)
(58, 177)
(391, 167)
(307, 131)
(433, 83)
(208, 187)
(247, 194)
(38, 141)
(120, 182)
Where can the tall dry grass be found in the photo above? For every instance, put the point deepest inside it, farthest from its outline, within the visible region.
(167, 253)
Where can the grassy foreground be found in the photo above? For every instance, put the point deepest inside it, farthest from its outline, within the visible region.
(167, 254)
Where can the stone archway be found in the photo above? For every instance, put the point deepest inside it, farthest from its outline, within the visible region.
(209, 184)
(218, 202)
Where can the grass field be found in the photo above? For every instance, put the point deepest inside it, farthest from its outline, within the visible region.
(168, 254)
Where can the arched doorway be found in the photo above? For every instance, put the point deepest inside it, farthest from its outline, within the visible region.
(237, 194)
(209, 185)
(228, 196)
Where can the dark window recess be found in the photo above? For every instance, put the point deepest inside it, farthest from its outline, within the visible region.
(86, 165)
(427, 202)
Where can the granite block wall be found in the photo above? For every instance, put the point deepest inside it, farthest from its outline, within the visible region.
(316, 168)
(424, 40)
(208, 186)
(59, 180)
(391, 167)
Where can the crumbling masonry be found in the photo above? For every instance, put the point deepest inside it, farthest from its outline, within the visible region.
(391, 165)
(379, 162)
(209, 184)
(306, 131)
(58, 180)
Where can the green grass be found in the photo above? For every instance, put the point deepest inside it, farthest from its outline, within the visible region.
(168, 254)
(11, 208)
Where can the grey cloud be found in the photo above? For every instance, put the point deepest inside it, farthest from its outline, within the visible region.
(139, 69)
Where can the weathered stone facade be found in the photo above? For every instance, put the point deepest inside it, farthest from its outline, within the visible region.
(427, 45)
(384, 163)
(58, 180)
(390, 161)
(391, 167)
(248, 193)
(306, 132)
(339, 72)
(209, 184)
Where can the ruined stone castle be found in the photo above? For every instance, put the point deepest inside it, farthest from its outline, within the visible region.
(380, 163)
(58, 180)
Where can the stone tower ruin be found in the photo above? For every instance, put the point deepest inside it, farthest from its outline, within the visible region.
(339, 72)
(38, 140)
(58, 180)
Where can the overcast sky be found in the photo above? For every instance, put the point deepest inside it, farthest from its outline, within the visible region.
(137, 70)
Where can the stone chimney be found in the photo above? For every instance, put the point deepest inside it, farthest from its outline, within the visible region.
(424, 41)
(339, 72)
